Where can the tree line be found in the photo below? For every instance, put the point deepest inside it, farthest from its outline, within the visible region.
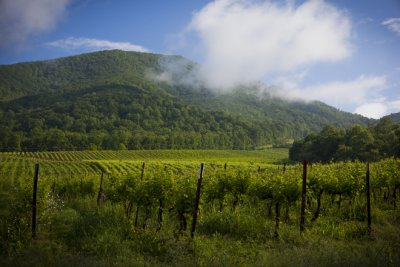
(364, 143)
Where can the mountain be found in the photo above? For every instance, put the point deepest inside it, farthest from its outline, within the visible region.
(395, 117)
(110, 100)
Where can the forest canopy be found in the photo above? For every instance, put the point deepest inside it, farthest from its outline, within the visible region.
(356, 143)
(108, 100)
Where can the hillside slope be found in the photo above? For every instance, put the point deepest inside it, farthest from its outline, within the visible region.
(395, 117)
(107, 100)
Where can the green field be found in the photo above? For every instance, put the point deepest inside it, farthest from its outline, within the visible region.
(249, 212)
(275, 155)
(117, 163)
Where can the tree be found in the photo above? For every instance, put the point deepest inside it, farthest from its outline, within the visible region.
(360, 140)
(385, 138)
(357, 143)
(327, 143)
(56, 139)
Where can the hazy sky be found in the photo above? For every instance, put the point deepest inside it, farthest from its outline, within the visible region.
(345, 53)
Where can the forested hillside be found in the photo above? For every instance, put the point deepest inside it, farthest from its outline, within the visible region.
(378, 141)
(108, 100)
(118, 117)
(395, 117)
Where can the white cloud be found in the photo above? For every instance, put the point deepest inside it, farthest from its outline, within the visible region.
(341, 93)
(363, 95)
(290, 80)
(372, 110)
(247, 40)
(393, 24)
(379, 108)
(20, 19)
(94, 44)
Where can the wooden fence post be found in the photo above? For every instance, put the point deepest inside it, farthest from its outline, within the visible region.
(101, 193)
(197, 200)
(303, 198)
(368, 198)
(142, 174)
(34, 199)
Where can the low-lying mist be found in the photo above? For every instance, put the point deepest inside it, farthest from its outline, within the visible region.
(245, 43)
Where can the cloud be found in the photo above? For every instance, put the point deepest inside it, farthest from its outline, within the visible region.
(362, 95)
(394, 106)
(372, 110)
(246, 40)
(378, 109)
(176, 71)
(393, 24)
(94, 44)
(342, 93)
(21, 19)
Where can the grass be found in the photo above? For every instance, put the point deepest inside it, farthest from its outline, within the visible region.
(160, 249)
(74, 231)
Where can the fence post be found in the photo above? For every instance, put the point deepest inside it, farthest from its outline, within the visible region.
(101, 193)
(34, 199)
(368, 198)
(303, 197)
(142, 174)
(197, 200)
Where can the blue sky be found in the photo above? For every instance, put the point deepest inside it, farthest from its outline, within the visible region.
(344, 53)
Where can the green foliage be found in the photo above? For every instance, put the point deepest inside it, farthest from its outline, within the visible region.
(72, 228)
(395, 117)
(356, 143)
(108, 100)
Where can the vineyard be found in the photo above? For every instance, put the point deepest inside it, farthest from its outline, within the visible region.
(137, 208)
(266, 156)
(117, 163)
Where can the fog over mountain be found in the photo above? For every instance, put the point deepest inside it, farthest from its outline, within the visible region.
(133, 99)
